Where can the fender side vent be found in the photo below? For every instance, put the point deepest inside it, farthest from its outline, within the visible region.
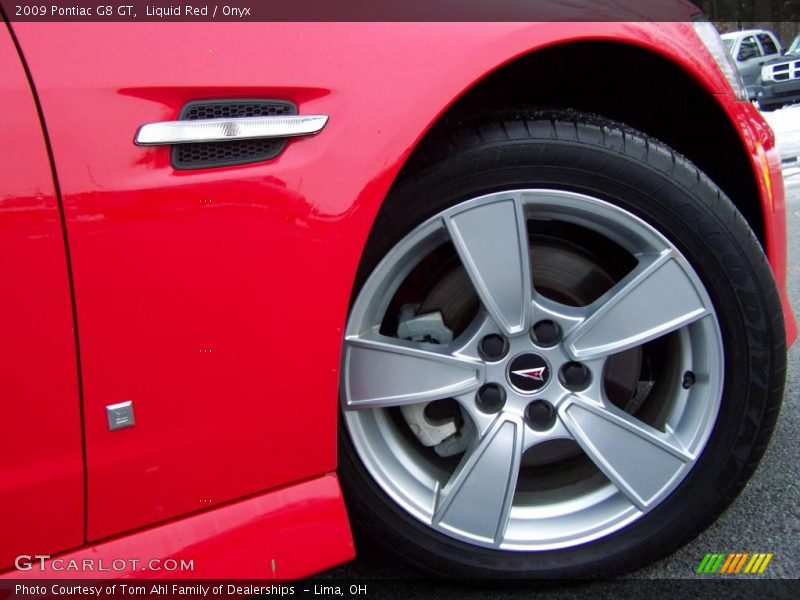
(236, 152)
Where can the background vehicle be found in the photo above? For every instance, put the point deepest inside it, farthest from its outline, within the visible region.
(779, 82)
(794, 48)
(751, 49)
(451, 272)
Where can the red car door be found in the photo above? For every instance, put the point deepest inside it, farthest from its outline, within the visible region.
(41, 457)
(182, 277)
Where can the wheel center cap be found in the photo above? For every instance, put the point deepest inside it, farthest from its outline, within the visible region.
(528, 373)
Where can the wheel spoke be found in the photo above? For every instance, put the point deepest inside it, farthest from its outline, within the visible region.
(654, 299)
(391, 372)
(640, 460)
(477, 499)
(492, 242)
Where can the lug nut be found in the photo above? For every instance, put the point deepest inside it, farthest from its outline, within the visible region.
(540, 415)
(574, 376)
(546, 333)
(490, 398)
(493, 347)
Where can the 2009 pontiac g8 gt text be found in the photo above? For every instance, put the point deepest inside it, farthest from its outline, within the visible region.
(518, 288)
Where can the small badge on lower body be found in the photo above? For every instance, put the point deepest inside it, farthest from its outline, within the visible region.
(120, 415)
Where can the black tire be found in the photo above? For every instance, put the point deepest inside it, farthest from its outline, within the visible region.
(592, 155)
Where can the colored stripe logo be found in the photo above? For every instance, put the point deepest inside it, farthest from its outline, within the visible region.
(734, 563)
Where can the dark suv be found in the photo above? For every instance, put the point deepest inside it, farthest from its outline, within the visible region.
(779, 83)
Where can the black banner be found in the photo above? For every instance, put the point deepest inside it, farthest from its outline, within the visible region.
(730, 588)
(737, 11)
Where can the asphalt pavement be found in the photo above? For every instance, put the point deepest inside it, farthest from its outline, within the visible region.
(766, 515)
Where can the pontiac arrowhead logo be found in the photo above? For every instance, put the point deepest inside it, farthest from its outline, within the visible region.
(537, 374)
(528, 373)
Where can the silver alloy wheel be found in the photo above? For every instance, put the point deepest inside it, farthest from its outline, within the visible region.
(478, 501)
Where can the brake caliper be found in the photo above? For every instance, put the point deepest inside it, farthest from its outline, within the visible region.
(440, 433)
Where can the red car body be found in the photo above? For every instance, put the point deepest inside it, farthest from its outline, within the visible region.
(215, 299)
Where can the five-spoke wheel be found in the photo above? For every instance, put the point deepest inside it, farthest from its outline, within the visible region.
(564, 354)
(527, 370)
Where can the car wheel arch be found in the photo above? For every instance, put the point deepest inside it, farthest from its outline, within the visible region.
(731, 168)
